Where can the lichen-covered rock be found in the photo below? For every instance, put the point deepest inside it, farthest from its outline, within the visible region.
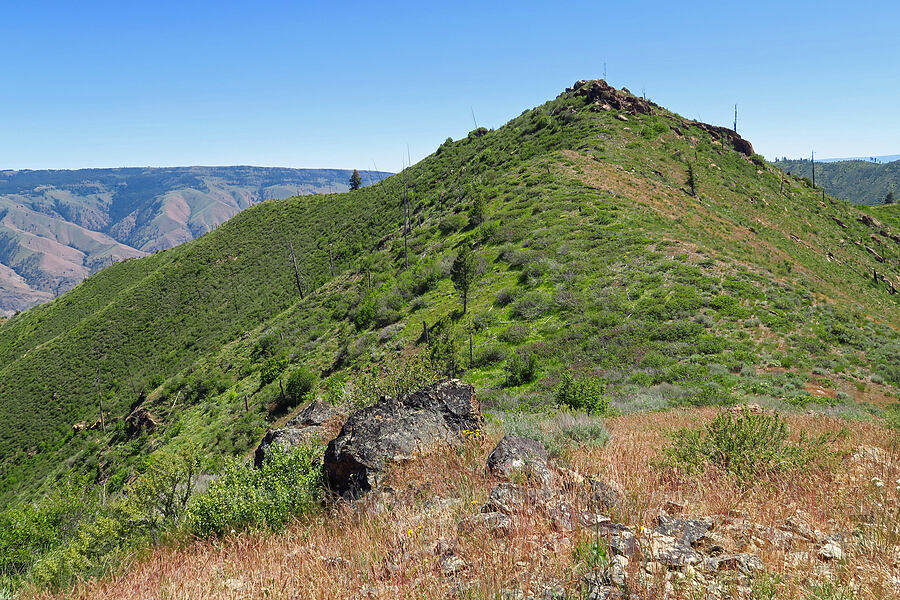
(687, 532)
(519, 456)
(394, 430)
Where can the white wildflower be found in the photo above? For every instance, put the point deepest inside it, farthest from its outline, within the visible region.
(877, 482)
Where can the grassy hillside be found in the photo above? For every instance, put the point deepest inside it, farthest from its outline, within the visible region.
(856, 181)
(594, 257)
(58, 227)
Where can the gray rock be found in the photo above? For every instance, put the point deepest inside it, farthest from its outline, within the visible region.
(492, 521)
(285, 438)
(605, 497)
(314, 414)
(831, 551)
(520, 455)
(669, 551)
(687, 532)
(745, 563)
(394, 430)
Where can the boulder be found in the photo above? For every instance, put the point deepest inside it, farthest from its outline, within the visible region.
(519, 455)
(285, 438)
(394, 430)
(314, 414)
(687, 532)
(305, 428)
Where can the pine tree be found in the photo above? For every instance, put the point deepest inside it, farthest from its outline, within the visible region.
(463, 272)
(889, 199)
(476, 214)
(355, 180)
(692, 182)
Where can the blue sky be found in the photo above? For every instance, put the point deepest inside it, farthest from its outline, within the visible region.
(104, 84)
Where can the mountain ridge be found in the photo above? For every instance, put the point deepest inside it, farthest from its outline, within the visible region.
(611, 240)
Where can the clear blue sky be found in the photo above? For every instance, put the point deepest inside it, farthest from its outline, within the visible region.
(103, 84)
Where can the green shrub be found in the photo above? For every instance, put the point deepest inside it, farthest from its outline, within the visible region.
(452, 223)
(79, 537)
(584, 393)
(300, 384)
(288, 484)
(504, 297)
(490, 355)
(521, 368)
(271, 369)
(515, 334)
(746, 445)
(532, 305)
(365, 311)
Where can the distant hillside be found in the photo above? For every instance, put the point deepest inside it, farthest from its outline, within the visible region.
(857, 181)
(58, 227)
(878, 159)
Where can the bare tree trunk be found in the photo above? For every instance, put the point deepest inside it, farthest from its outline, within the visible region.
(100, 397)
(296, 271)
(812, 160)
(330, 259)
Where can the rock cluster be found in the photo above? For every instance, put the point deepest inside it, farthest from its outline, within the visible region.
(602, 95)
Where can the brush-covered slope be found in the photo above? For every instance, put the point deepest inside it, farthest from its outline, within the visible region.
(594, 256)
(58, 227)
(857, 181)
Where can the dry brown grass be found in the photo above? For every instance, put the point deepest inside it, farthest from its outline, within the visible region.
(394, 544)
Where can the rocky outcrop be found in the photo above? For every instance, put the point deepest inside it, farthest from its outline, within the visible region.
(394, 430)
(140, 420)
(726, 135)
(305, 428)
(601, 94)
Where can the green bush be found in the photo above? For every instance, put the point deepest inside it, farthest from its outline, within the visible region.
(504, 297)
(585, 393)
(73, 535)
(746, 445)
(515, 334)
(271, 369)
(521, 368)
(300, 384)
(490, 355)
(452, 223)
(288, 484)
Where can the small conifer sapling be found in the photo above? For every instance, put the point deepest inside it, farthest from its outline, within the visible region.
(463, 272)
